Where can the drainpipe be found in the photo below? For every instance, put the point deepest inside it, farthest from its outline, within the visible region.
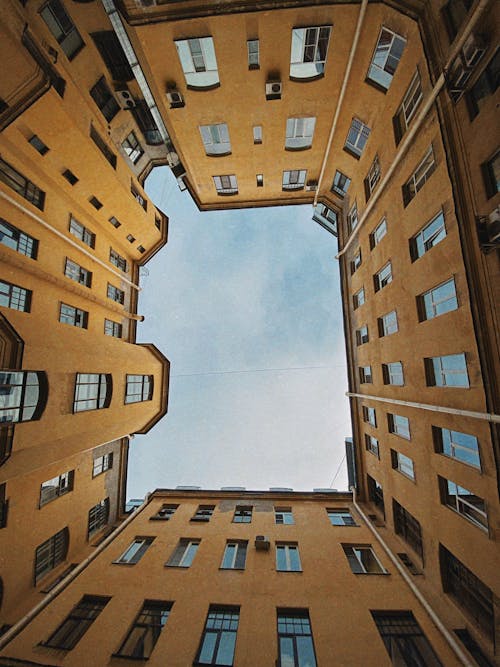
(62, 585)
(449, 638)
(487, 416)
(347, 73)
(69, 241)
(405, 144)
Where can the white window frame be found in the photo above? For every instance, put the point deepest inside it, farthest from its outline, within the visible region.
(294, 179)
(449, 446)
(383, 277)
(378, 233)
(356, 261)
(341, 183)
(257, 134)
(253, 53)
(429, 307)
(139, 546)
(370, 415)
(420, 176)
(379, 71)
(353, 549)
(372, 445)
(356, 300)
(420, 244)
(199, 66)
(307, 61)
(362, 336)
(287, 549)
(403, 464)
(388, 324)
(286, 514)
(467, 509)
(352, 217)
(396, 426)
(215, 139)
(410, 103)
(439, 374)
(394, 371)
(363, 375)
(357, 137)
(372, 177)
(238, 546)
(299, 133)
(226, 184)
(342, 514)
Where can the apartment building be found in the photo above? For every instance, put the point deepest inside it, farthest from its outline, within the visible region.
(237, 577)
(75, 229)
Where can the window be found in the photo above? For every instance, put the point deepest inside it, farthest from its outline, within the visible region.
(257, 134)
(405, 642)
(259, 180)
(447, 371)
(472, 596)
(454, 14)
(393, 373)
(358, 299)
(369, 415)
(243, 514)
(372, 177)
(456, 445)
(146, 123)
(4, 505)
(473, 647)
(253, 53)
(378, 233)
(375, 493)
(428, 237)
(98, 517)
(294, 179)
(14, 238)
(139, 388)
(385, 60)
(70, 177)
(283, 515)
(352, 217)
(132, 147)
(419, 177)
(371, 445)
(299, 133)
(92, 391)
(326, 217)
(388, 324)
(287, 558)
(295, 641)
(50, 553)
(408, 108)
(24, 395)
(203, 513)
(463, 502)
(383, 277)
(74, 316)
(38, 144)
(362, 335)
(81, 232)
(164, 513)
(95, 203)
(113, 55)
(234, 555)
(116, 294)
(62, 28)
(81, 617)
(356, 138)
(130, 238)
(437, 301)
(141, 249)
(13, 179)
(198, 62)
(485, 86)
(77, 273)
(226, 185)
(340, 183)
(399, 425)
(362, 559)
(145, 632)
(57, 486)
(340, 517)
(105, 100)
(356, 261)
(402, 463)
(135, 551)
(408, 528)
(219, 636)
(215, 139)
(365, 374)
(112, 328)
(308, 53)
(491, 175)
(102, 463)
(184, 553)
(119, 261)
(102, 146)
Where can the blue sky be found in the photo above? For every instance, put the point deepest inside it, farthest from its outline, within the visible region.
(246, 305)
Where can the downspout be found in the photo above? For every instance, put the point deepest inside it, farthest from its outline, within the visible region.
(486, 416)
(69, 241)
(405, 144)
(23, 622)
(449, 638)
(347, 73)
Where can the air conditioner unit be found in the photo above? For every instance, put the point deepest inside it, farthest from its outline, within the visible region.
(262, 543)
(311, 186)
(473, 49)
(124, 98)
(175, 98)
(274, 90)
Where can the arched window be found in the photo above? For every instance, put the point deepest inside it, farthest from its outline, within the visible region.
(23, 395)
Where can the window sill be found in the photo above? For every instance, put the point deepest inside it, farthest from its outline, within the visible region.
(376, 85)
(295, 149)
(291, 571)
(218, 154)
(307, 79)
(202, 88)
(253, 67)
(232, 569)
(293, 189)
(128, 657)
(351, 152)
(227, 194)
(373, 574)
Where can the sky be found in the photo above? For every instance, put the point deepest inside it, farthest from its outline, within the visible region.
(246, 306)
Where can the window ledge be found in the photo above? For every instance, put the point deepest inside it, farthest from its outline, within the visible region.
(297, 148)
(376, 85)
(291, 571)
(202, 88)
(253, 67)
(218, 154)
(128, 657)
(232, 569)
(227, 194)
(351, 152)
(307, 79)
(373, 574)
